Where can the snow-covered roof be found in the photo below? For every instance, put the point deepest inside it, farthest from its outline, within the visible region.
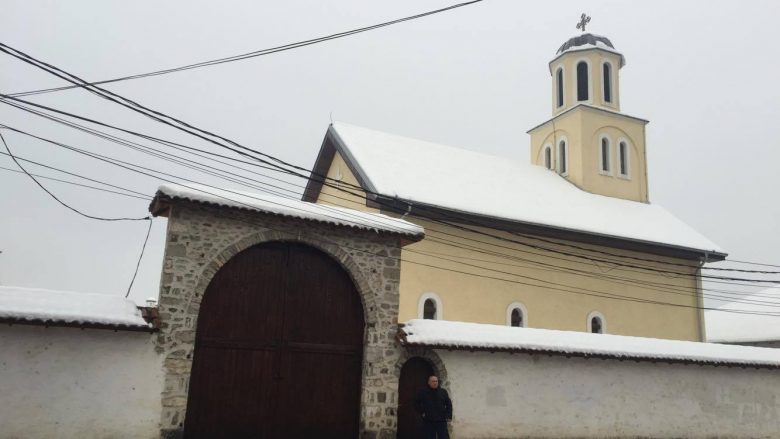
(292, 208)
(476, 336)
(502, 188)
(49, 306)
(588, 41)
(730, 327)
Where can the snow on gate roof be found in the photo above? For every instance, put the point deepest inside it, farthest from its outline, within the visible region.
(477, 336)
(35, 305)
(498, 187)
(293, 208)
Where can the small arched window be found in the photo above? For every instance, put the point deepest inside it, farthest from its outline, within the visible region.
(607, 71)
(562, 158)
(516, 315)
(582, 81)
(429, 307)
(559, 86)
(597, 324)
(623, 158)
(516, 318)
(548, 157)
(605, 165)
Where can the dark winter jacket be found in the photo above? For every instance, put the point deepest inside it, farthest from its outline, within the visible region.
(433, 405)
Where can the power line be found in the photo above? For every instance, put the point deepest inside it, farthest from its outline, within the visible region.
(137, 265)
(255, 53)
(330, 185)
(7, 148)
(200, 133)
(86, 186)
(140, 194)
(483, 268)
(189, 150)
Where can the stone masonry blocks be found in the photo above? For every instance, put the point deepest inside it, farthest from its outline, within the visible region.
(201, 239)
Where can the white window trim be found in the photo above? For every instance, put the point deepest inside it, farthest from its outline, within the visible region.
(557, 107)
(421, 306)
(512, 306)
(627, 175)
(558, 156)
(609, 155)
(603, 322)
(590, 82)
(611, 82)
(545, 148)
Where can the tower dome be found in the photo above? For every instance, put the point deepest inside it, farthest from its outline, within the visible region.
(589, 41)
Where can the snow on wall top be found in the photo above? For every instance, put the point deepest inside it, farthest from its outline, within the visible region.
(729, 327)
(35, 304)
(498, 187)
(461, 335)
(292, 208)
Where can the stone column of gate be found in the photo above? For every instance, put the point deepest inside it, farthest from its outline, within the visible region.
(201, 238)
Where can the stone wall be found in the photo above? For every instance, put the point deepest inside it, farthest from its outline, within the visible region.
(200, 239)
(502, 395)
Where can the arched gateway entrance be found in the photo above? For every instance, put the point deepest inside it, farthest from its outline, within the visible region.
(278, 350)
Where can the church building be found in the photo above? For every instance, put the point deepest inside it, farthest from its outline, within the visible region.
(569, 241)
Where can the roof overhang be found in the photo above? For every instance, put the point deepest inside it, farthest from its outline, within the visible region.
(588, 107)
(471, 220)
(580, 49)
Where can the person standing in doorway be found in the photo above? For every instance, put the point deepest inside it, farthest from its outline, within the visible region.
(434, 405)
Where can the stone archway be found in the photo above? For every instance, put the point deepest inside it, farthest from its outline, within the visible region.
(413, 370)
(201, 240)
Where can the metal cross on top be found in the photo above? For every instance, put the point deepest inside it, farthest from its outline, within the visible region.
(584, 19)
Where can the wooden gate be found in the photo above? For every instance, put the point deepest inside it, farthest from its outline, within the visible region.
(414, 376)
(278, 350)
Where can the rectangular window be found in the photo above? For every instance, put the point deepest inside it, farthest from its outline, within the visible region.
(607, 83)
(560, 87)
(623, 159)
(582, 81)
(605, 155)
(562, 157)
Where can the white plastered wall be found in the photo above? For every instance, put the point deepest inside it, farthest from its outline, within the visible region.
(73, 383)
(501, 395)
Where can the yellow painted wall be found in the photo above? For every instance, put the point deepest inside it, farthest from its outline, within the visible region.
(596, 58)
(329, 195)
(583, 128)
(433, 266)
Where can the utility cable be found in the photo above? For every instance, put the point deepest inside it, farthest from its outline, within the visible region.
(161, 117)
(8, 149)
(137, 265)
(255, 53)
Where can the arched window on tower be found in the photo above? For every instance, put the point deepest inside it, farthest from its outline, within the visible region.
(548, 157)
(607, 71)
(623, 158)
(582, 81)
(605, 165)
(563, 160)
(559, 86)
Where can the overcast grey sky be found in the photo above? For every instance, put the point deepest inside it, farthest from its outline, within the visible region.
(704, 73)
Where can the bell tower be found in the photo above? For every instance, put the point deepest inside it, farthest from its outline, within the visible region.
(588, 140)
